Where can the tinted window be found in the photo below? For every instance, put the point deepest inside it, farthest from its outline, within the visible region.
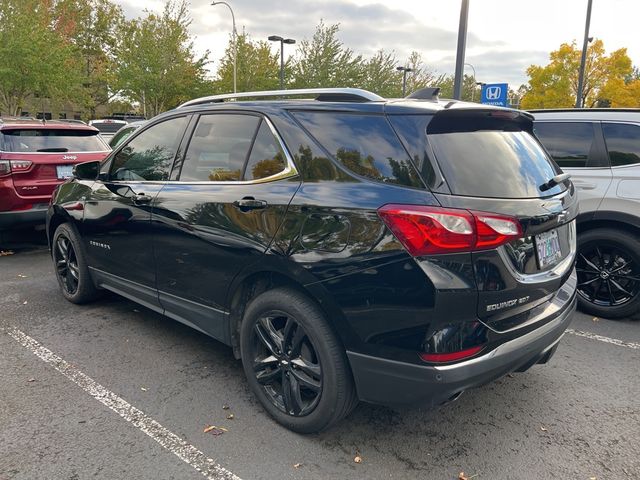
(219, 148)
(149, 155)
(365, 144)
(267, 158)
(121, 136)
(493, 164)
(569, 144)
(623, 143)
(52, 140)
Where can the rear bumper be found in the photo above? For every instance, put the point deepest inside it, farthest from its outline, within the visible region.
(22, 218)
(389, 382)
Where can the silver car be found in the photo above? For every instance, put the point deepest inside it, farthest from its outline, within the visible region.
(600, 148)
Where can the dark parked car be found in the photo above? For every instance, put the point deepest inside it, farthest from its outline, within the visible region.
(35, 157)
(347, 247)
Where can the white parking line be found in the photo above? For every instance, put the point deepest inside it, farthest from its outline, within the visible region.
(600, 338)
(169, 440)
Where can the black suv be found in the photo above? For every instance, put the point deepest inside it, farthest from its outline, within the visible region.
(347, 247)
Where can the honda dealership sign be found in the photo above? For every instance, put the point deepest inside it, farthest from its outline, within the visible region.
(495, 94)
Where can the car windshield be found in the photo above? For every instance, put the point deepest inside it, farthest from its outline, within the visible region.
(52, 140)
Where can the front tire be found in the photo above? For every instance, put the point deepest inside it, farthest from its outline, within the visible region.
(294, 363)
(71, 267)
(608, 267)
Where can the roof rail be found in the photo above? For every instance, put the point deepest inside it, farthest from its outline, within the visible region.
(320, 94)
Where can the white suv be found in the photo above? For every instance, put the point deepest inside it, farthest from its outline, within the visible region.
(600, 148)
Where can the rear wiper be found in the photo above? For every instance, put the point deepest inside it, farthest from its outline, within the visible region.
(563, 177)
(53, 150)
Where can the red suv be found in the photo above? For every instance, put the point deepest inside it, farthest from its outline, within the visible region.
(34, 158)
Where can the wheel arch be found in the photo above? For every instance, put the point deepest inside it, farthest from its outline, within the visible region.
(252, 284)
(609, 219)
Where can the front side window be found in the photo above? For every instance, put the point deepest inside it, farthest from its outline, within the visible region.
(570, 144)
(149, 156)
(623, 143)
(364, 144)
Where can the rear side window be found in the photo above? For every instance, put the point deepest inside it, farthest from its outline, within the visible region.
(623, 143)
(494, 163)
(219, 148)
(364, 144)
(30, 140)
(267, 157)
(149, 156)
(570, 144)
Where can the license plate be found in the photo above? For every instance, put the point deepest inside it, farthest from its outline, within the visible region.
(548, 248)
(64, 171)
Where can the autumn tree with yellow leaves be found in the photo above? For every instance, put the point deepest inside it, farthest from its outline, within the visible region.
(609, 80)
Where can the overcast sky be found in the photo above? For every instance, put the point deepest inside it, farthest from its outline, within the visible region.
(504, 36)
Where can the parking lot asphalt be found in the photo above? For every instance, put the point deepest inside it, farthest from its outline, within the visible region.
(157, 384)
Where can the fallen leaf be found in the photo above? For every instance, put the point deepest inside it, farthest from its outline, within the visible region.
(230, 416)
(213, 430)
(225, 407)
(358, 459)
(544, 429)
(143, 389)
(595, 319)
(25, 302)
(31, 380)
(297, 465)
(21, 276)
(593, 478)
(462, 476)
(510, 375)
(4, 253)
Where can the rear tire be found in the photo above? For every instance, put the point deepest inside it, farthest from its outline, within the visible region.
(608, 267)
(294, 363)
(71, 267)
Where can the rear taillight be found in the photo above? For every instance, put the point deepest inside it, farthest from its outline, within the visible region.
(7, 167)
(431, 230)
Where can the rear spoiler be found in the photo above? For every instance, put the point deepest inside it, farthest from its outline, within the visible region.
(475, 119)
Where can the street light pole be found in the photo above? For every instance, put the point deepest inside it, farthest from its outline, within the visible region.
(234, 35)
(462, 45)
(404, 71)
(583, 59)
(288, 41)
(473, 90)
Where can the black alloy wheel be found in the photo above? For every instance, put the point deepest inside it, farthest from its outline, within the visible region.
(608, 271)
(66, 264)
(294, 363)
(286, 364)
(70, 266)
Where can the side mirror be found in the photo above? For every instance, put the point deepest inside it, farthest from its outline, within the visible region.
(87, 170)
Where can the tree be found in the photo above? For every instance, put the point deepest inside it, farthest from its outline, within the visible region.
(35, 60)
(556, 84)
(380, 75)
(156, 63)
(421, 76)
(257, 68)
(92, 27)
(324, 61)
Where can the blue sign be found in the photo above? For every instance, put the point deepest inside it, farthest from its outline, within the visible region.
(495, 94)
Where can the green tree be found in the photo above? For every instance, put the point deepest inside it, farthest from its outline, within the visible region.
(35, 60)
(324, 61)
(556, 84)
(380, 75)
(156, 63)
(257, 68)
(420, 76)
(92, 27)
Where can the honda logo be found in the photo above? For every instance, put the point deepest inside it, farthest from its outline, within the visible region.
(493, 93)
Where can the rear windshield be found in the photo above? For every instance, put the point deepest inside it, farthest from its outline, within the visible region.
(108, 127)
(494, 163)
(51, 140)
